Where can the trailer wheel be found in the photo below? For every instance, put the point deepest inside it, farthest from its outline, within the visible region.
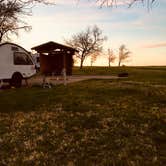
(16, 80)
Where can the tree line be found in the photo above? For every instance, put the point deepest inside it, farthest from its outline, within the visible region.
(123, 55)
(89, 43)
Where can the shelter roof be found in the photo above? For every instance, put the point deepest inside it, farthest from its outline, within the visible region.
(52, 46)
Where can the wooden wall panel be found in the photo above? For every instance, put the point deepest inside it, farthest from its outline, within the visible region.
(55, 64)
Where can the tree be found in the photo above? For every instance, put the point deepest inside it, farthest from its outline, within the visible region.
(11, 12)
(87, 42)
(94, 57)
(124, 54)
(111, 57)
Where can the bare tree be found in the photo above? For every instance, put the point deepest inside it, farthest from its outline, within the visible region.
(94, 57)
(11, 12)
(87, 42)
(111, 57)
(124, 54)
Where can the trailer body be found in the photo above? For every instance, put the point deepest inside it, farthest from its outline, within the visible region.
(15, 63)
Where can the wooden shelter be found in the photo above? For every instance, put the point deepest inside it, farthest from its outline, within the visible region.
(55, 58)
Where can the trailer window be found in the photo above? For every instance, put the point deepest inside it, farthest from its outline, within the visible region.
(21, 58)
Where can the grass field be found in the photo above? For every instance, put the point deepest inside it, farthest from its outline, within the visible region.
(150, 74)
(96, 122)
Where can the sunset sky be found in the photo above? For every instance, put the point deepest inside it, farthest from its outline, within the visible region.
(143, 31)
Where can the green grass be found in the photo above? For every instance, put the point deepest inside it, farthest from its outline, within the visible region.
(142, 74)
(95, 122)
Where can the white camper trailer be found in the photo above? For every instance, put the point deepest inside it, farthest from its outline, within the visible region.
(16, 64)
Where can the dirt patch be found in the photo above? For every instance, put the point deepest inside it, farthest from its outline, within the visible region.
(53, 80)
(38, 80)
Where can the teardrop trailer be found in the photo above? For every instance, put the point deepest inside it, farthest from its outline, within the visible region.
(16, 64)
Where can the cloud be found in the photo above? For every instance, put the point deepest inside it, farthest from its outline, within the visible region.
(75, 2)
(113, 3)
(157, 45)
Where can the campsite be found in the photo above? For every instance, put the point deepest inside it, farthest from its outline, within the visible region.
(82, 83)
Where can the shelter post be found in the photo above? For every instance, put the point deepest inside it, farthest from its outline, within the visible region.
(64, 69)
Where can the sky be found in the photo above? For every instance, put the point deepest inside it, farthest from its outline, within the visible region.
(143, 31)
